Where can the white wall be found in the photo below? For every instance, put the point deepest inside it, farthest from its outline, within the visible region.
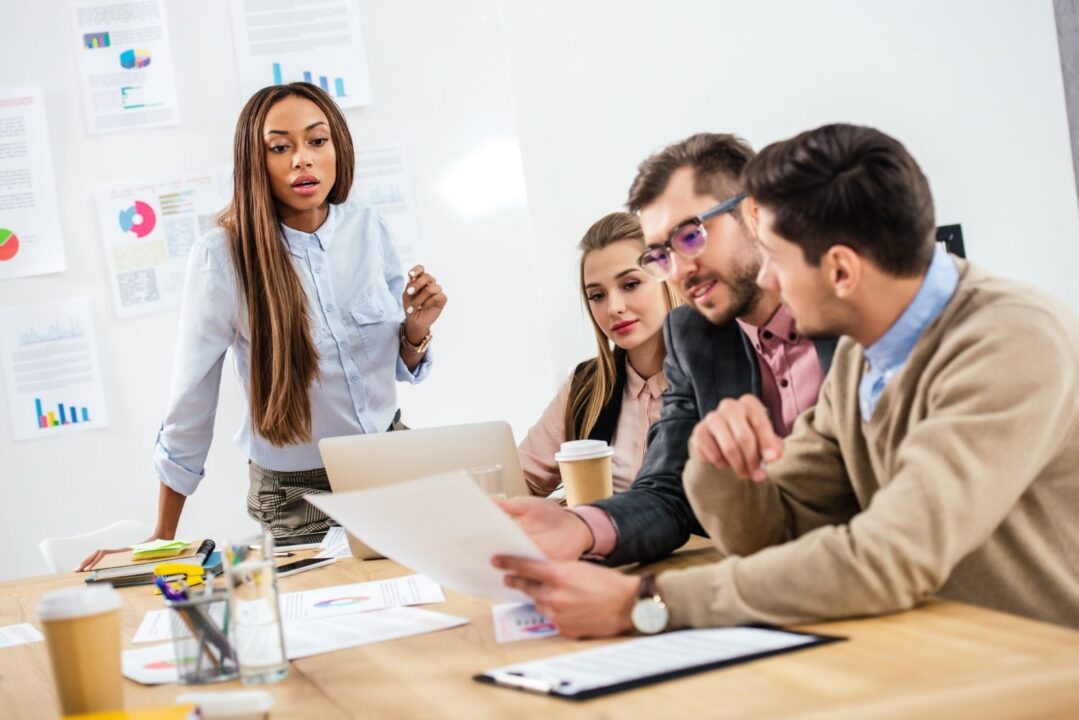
(973, 89)
(441, 86)
(586, 90)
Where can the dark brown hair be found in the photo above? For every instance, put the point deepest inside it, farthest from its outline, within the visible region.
(592, 388)
(847, 185)
(717, 161)
(283, 359)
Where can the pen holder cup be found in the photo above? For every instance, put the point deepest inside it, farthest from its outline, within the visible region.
(200, 632)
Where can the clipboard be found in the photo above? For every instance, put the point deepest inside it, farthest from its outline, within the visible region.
(621, 666)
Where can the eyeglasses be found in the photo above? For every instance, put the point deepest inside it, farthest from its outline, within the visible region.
(688, 239)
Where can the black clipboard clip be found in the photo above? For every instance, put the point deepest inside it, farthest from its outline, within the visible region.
(520, 681)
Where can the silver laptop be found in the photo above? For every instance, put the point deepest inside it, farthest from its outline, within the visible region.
(360, 462)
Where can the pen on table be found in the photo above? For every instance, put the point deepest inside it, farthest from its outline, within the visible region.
(283, 553)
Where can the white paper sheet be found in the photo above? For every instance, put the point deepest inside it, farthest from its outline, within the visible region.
(383, 181)
(442, 526)
(320, 603)
(125, 64)
(626, 661)
(148, 227)
(19, 634)
(314, 637)
(51, 369)
(156, 625)
(30, 236)
(156, 664)
(520, 621)
(359, 597)
(335, 544)
(317, 42)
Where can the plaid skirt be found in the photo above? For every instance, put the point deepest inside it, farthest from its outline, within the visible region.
(275, 500)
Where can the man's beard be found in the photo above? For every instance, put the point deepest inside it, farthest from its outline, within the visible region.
(745, 294)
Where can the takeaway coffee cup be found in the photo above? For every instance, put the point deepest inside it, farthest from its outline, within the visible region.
(586, 470)
(82, 632)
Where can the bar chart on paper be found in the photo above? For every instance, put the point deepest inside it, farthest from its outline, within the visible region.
(71, 415)
(51, 369)
(335, 86)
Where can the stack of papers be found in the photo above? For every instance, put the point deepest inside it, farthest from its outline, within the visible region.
(335, 544)
(158, 549)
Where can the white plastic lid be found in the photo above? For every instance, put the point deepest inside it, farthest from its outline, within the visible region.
(230, 704)
(77, 602)
(583, 450)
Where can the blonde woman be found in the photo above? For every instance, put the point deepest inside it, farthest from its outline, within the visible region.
(307, 290)
(615, 396)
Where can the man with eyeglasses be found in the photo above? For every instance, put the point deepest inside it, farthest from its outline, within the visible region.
(731, 338)
(939, 461)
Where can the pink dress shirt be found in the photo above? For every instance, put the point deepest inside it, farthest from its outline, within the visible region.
(641, 407)
(791, 378)
(790, 371)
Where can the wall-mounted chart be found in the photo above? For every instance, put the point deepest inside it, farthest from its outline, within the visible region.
(9, 245)
(322, 45)
(30, 240)
(51, 369)
(131, 59)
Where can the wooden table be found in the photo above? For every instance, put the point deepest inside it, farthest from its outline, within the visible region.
(943, 660)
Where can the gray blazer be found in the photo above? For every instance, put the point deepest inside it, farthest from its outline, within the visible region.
(705, 363)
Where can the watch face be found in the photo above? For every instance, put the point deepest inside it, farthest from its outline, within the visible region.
(649, 616)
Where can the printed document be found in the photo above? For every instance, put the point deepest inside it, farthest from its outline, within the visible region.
(442, 526)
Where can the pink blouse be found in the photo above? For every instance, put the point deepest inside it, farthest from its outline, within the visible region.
(641, 407)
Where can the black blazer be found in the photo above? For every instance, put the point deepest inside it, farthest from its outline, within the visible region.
(705, 364)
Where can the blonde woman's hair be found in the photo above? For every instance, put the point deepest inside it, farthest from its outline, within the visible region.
(595, 380)
(284, 361)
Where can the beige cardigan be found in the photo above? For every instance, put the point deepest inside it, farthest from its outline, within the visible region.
(963, 484)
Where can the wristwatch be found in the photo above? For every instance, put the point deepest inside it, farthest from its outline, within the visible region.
(407, 345)
(650, 614)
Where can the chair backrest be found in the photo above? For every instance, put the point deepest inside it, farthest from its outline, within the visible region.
(63, 554)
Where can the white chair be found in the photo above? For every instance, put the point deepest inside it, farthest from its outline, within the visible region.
(63, 554)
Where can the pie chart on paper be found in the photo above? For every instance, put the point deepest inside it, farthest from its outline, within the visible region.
(9, 244)
(132, 59)
(139, 219)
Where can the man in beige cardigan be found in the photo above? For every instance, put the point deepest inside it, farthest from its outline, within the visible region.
(941, 459)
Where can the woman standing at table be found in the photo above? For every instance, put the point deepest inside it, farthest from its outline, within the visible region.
(307, 290)
(615, 396)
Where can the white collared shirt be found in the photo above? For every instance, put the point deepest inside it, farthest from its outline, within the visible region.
(351, 275)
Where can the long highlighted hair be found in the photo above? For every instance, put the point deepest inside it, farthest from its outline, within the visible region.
(593, 386)
(283, 360)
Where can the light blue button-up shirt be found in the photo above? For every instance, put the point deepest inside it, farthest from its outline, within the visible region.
(351, 275)
(887, 355)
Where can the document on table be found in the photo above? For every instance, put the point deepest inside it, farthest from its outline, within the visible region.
(520, 621)
(313, 637)
(359, 597)
(335, 544)
(20, 634)
(320, 603)
(156, 625)
(623, 665)
(442, 526)
(156, 664)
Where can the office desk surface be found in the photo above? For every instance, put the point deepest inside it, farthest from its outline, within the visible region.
(944, 659)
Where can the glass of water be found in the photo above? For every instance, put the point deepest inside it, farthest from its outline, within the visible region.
(255, 614)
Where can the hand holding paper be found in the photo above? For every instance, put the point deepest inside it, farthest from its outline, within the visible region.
(443, 527)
